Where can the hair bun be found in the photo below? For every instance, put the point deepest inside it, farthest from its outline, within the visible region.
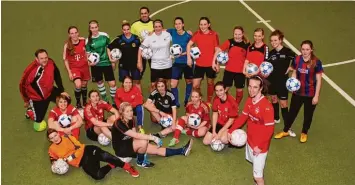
(124, 22)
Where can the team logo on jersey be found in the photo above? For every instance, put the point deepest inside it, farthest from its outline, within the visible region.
(282, 56)
(159, 99)
(133, 96)
(134, 45)
(77, 57)
(273, 57)
(100, 111)
(226, 109)
(304, 71)
(166, 102)
(257, 110)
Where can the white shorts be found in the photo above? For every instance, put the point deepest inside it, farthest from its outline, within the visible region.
(257, 161)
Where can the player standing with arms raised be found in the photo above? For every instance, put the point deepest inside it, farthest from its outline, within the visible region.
(97, 42)
(37, 88)
(207, 41)
(280, 57)
(258, 52)
(237, 50)
(259, 115)
(76, 63)
(307, 68)
(128, 44)
(181, 37)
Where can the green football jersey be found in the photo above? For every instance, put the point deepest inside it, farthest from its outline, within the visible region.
(99, 45)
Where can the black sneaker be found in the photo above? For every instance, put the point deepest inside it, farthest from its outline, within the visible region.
(145, 164)
(188, 147)
(78, 105)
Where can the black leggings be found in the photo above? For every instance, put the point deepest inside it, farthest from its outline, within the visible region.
(296, 104)
(91, 162)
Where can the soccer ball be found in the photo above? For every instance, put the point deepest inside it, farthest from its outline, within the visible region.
(175, 50)
(103, 140)
(195, 53)
(292, 84)
(147, 53)
(60, 167)
(144, 34)
(166, 121)
(239, 138)
(94, 58)
(252, 69)
(222, 57)
(194, 120)
(217, 145)
(64, 120)
(266, 68)
(116, 54)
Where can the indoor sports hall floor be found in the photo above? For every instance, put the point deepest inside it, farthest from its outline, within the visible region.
(327, 157)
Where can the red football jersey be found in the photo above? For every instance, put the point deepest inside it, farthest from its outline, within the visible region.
(134, 96)
(237, 52)
(55, 113)
(95, 112)
(260, 119)
(207, 44)
(227, 109)
(78, 59)
(203, 111)
(257, 55)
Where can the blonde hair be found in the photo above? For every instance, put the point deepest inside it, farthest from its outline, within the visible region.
(122, 108)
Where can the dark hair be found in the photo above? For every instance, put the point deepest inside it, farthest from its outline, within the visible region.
(278, 33)
(161, 80)
(90, 33)
(127, 77)
(219, 83)
(125, 23)
(144, 8)
(50, 131)
(264, 84)
(70, 45)
(313, 56)
(181, 19)
(158, 21)
(208, 21)
(68, 99)
(93, 91)
(245, 39)
(38, 51)
(197, 91)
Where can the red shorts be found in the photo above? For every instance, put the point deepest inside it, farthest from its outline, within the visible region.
(74, 132)
(82, 73)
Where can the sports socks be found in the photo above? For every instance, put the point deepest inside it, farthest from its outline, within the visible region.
(140, 113)
(175, 92)
(113, 94)
(102, 90)
(210, 90)
(284, 112)
(171, 152)
(77, 93)
(84, 92)
(276, 111)
(188, 92)
(239, 96)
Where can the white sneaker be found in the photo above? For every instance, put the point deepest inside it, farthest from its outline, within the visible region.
(277, 121)
(291, 133)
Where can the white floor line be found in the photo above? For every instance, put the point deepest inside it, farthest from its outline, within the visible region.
(170, 6)
(339, 63)
(294, 49)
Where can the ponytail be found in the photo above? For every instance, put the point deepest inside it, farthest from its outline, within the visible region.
(70, 45)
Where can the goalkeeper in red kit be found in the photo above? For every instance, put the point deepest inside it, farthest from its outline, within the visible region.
(259, 115)
(37, 88)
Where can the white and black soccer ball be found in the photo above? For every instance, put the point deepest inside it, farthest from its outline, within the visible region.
(116, 54)
(103, 140)
(222, 57)
(60, 167)
(94, 58)
(238, 138)
(194, 120)
(293, 84)
(252, 69)
(217, 145)
(64, 120)
(266, 68)
(195, 53)
(144, 34)
(166, 121)
(175, 50)
(147, 53)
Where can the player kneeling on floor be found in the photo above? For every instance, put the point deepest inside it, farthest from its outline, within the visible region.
(127, 142)
(94, 118)
(161, 103)
(67, 149)
(225, 110)
(65, 118)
